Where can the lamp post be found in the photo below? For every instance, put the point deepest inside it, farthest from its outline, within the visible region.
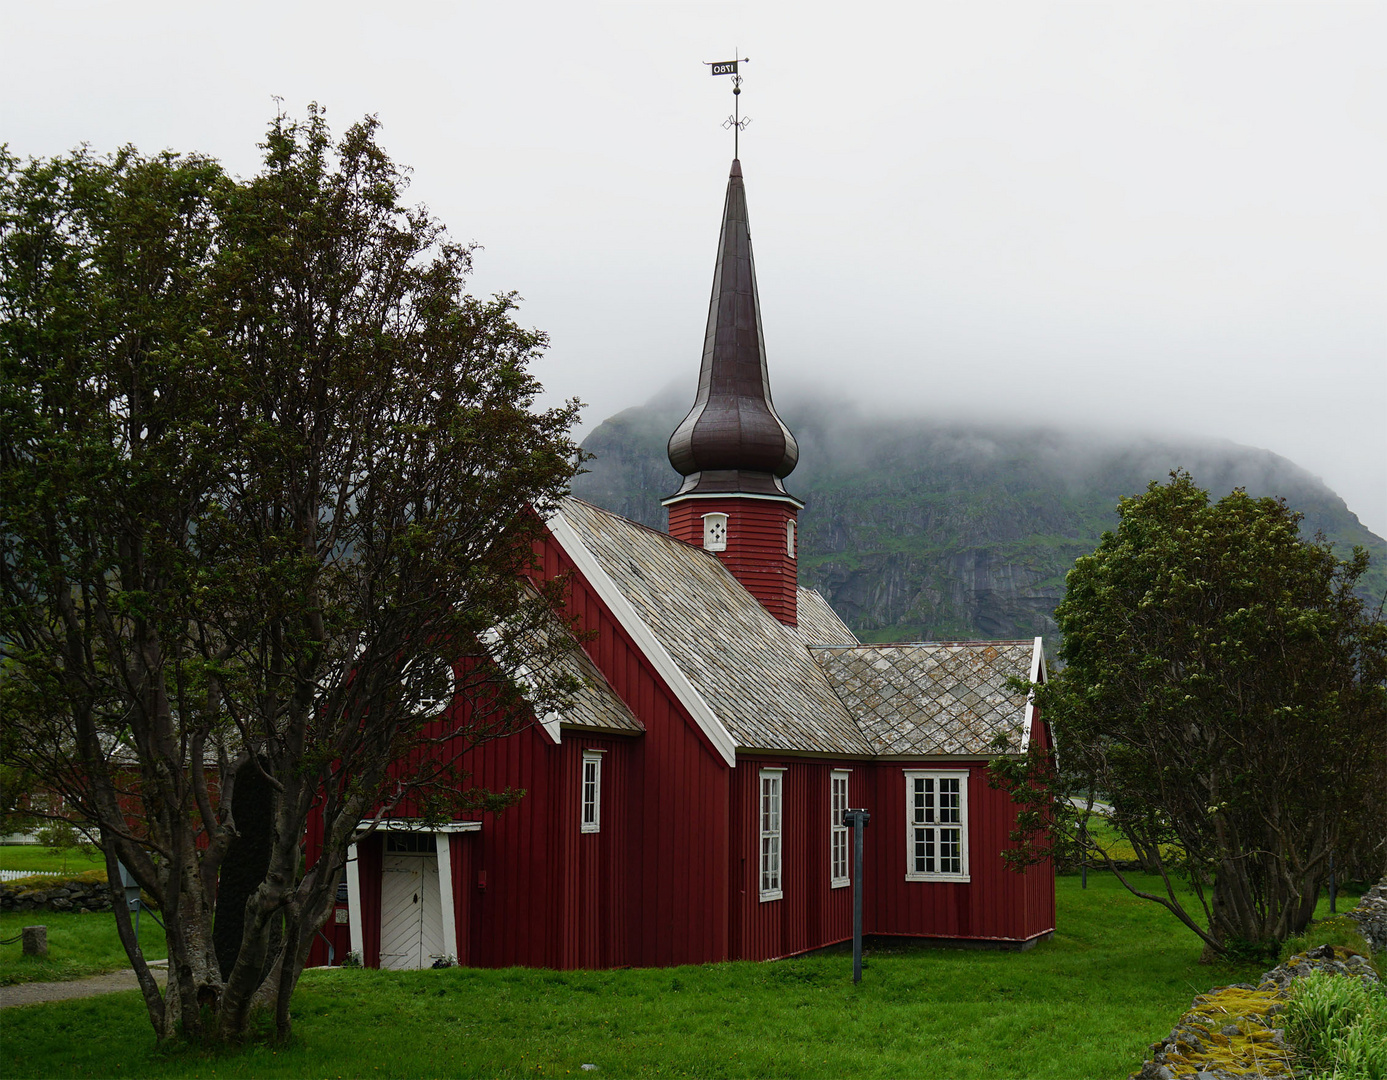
(856, 820)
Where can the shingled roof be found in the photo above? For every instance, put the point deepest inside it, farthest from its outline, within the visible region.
(812, 688)
(754, 674)
(932, 697)
(595, 705)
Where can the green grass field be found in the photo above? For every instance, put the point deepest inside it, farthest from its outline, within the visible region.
(1117, 974)
(42, 860)
(77, 945)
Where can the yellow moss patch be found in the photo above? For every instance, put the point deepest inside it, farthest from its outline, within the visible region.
(1249, 1052)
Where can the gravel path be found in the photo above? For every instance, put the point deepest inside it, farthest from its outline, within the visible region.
(35, 993)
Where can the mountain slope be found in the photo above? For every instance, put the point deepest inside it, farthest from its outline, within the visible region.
(930, 530)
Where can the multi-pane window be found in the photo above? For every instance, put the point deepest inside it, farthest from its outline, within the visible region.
(591, 815)
(936, 808)
(771, 781)
(838, 832)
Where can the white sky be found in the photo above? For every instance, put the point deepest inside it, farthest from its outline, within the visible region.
(1164, 217)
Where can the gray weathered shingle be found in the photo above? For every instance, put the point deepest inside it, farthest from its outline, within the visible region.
(813, 688)
(933, 697)
(754, 673)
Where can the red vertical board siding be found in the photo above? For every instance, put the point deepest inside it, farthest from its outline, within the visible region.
(756, 552)
(461, 851)
(992, 905)
(545, 894)
(369, 856)
(810, 913)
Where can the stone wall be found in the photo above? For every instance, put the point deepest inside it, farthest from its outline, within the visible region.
(1232, 1031)
(1371, 917)
(52, 895)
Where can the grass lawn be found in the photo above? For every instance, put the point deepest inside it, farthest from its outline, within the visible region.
(44, 860)
(77, 945)
(1116, 976)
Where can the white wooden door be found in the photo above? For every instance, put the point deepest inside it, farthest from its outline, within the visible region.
(411, 914)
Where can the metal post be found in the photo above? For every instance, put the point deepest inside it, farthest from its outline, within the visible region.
(1333, 888)
(858, 820)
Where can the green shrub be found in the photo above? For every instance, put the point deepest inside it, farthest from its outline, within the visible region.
(1339, 1025)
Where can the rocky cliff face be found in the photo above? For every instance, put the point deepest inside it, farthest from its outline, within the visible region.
(935, 530)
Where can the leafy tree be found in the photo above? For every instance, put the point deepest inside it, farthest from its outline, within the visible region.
(1223, 689)
(271, 481)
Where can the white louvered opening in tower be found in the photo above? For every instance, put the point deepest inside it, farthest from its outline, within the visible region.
(714, 532)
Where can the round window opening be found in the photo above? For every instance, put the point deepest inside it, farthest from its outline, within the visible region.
(429, 685)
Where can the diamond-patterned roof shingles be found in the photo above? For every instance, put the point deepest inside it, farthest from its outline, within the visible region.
(931, 698)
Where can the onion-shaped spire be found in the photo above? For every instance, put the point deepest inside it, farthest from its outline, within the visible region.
(733, 440)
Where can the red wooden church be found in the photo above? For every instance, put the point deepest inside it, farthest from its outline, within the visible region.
(688, 806)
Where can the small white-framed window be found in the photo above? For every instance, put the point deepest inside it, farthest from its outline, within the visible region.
(936, 834)
(771, 791)
(839, 872)
(791, 527)
(590, 816)
(714, 532)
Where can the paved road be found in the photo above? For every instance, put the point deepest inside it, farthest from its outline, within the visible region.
(35, 993)
(1102, 809)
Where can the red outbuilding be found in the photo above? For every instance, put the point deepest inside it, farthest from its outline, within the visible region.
(687, 806)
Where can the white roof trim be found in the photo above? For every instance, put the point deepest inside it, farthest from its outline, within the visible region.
(415, 825)
(1037, 675)
(672, 499)
(643, 636)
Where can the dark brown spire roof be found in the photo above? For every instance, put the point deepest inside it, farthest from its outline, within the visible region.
(733, 440)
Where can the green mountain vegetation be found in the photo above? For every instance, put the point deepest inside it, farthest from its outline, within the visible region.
(928, 529)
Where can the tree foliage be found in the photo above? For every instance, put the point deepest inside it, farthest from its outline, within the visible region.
(1223, 690)
(271, 480)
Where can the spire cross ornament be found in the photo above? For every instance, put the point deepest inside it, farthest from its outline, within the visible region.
(737, 122)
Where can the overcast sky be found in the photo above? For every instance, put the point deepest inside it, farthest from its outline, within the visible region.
(1164, 217)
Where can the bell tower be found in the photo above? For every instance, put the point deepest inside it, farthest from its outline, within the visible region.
(733, 450)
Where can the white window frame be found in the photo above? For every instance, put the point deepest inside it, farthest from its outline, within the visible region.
(791, 536)
(713, 540)
(839, 842)
(590, 809)
(770, 805)
(928, 823)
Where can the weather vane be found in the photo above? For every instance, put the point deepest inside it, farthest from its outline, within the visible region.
(737, 122)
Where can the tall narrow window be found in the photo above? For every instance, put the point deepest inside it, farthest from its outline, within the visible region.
(790, 528)
(591, 816)
(714, 532)
(838, 832)
(936, 807)
(771, 780)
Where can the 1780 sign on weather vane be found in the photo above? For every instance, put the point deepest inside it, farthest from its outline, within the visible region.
(736, 122)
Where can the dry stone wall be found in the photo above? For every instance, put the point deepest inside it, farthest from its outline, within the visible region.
(59, 896)
(1233, 1031)
(1371, 917)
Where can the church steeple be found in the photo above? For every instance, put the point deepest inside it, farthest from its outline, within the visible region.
(733, 440)
(733, 450)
